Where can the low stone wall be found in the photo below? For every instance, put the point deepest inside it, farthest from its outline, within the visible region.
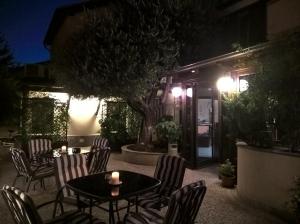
(266, 177)
(141, 158)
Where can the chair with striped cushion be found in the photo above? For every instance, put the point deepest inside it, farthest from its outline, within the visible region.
(100, 142)
(68, 167)
(37, 148)
(183, 207)
(30, 173)
(23, 210)
(170, 171)
(98, 160)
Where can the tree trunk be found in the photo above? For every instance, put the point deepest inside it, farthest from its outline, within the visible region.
(146, 128)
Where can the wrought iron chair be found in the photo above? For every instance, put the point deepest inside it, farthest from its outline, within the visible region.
(183, 207)
(68, 167)
(37, 148)
(30, 173)
(170, 171)
(98, 160)
(23, 210)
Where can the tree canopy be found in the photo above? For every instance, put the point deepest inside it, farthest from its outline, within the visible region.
(124, 50)
(9, 98)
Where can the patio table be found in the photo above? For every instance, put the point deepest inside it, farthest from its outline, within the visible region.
(97, 187)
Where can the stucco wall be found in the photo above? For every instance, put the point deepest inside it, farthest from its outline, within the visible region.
(282, 16)
(266, 178)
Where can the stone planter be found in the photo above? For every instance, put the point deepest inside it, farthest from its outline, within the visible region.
(141, 158)
(265, 177)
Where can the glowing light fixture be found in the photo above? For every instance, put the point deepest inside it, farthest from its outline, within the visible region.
(61, 97)
(83, 108)
(243, 85)
(225, 84)
(189, 92)
(176, 92)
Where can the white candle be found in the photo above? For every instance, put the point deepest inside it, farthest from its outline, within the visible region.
(70, 151)
(63, 149)
(115, 177)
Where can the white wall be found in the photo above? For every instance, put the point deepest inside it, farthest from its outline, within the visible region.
(266, 178)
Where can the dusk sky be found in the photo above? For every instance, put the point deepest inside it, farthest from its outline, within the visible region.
(24, 24)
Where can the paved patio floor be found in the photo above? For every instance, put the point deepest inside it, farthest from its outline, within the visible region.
(220, 205)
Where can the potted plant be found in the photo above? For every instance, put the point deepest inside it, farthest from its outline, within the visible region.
(226, 172)
(168, 131)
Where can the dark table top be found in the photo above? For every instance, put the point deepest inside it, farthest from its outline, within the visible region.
(97, 187)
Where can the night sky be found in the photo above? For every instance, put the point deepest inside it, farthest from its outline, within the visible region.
(24, 24)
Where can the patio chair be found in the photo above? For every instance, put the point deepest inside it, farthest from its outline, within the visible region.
(30, 173)
(183, 207)
(23, 210)
(100, 142)
(97, 160)
(68, 167)
(37, 148)
(170, 171)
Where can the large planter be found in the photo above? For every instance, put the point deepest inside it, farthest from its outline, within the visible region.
(141, 158)
(265, 177)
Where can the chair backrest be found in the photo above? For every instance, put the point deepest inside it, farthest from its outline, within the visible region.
(100, 142)
(68, 167)
(170, 171)
(185, 203)
(20, 205)
(20, 162)
(38, 146)
(98, 160)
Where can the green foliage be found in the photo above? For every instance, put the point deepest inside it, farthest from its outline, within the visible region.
(278, 84)
(9, 87)
(226, 169)
(244, 117)
(167, 130)
(44, 117)
(121, 125)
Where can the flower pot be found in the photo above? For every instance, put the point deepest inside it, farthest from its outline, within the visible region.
(228, 182)
(172, 149)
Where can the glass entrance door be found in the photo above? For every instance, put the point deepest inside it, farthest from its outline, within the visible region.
(204, 129)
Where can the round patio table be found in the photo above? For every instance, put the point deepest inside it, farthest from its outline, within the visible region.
(96, 187)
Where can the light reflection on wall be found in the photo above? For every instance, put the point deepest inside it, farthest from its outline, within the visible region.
(83, 116)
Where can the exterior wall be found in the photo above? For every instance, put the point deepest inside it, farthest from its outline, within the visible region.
(282, 16)
(266, 178)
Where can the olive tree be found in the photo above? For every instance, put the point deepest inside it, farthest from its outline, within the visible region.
(124, 51)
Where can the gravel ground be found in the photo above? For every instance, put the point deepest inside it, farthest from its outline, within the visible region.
(220, 205)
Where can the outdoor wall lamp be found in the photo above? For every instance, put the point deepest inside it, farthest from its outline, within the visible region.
(225, 84)
(176, 91)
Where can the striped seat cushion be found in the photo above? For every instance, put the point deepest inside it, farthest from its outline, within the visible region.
(68, 167)
(183, 207)
(38, 147)
(100, 142)
(185, 203)
(23, 210)
(98, 160)
(170, 171)
(150, 216)
(152, 200)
